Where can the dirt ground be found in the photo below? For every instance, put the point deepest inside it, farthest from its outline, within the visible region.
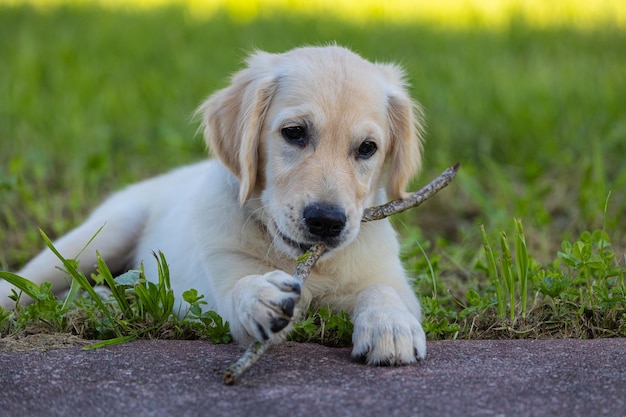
(39, 339)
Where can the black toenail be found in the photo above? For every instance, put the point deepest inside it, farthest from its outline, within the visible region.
(278, 324)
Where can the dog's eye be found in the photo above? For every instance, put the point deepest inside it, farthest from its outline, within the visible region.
(295, 135)
(366, 149)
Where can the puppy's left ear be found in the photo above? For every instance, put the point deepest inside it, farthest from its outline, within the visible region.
(233, 117)
(405, 126)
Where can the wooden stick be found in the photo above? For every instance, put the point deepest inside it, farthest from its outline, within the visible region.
(414, 200)
(307, 261)
(254, 352)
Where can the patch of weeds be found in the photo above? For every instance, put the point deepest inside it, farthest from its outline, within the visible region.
(509, 277)
(324, 326)
(208, 322)
(5, 320)
(439, 321)
(581, 293)
(509, 294)
(135, 307)
(587, 283)
(45, 309)
(439, 315)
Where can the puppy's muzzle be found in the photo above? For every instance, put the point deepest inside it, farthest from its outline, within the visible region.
(324, 221)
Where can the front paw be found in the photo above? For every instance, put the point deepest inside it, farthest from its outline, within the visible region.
(266, 305)
(388, 336)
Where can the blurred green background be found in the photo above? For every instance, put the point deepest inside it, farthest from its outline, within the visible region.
(529, 96)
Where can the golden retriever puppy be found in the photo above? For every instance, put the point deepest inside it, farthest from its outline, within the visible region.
(305, 141)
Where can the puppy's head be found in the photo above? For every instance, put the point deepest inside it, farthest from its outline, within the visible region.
(315, 135)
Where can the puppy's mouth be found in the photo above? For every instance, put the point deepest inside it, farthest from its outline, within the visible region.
(302, 247)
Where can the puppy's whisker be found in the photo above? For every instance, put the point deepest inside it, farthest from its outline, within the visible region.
(255, 216)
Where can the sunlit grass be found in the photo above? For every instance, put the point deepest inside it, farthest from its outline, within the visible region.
(450, 13)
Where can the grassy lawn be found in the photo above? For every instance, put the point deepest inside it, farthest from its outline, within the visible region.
(97, 96)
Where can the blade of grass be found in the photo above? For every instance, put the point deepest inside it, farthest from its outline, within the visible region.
(71, 268)
(492, 270)
(117, 291)
(90, 240)
(165, 293)
(433, 276)
(26, 286)
(72, 293)
(111, 342)
(147, 304)
(75, 285)
(506, 266)
(522, 265)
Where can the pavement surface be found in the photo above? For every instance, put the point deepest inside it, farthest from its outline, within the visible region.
(184, 378)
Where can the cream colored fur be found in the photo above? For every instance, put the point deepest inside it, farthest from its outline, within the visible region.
(232, 227)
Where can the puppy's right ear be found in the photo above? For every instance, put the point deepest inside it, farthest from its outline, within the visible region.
(232, 120)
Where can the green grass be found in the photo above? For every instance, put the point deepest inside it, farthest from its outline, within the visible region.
(96, 98)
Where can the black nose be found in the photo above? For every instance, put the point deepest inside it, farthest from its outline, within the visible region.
(324, 220)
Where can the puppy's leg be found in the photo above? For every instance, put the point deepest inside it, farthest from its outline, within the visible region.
(262, 306)
(386, 331)
(122, 223)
